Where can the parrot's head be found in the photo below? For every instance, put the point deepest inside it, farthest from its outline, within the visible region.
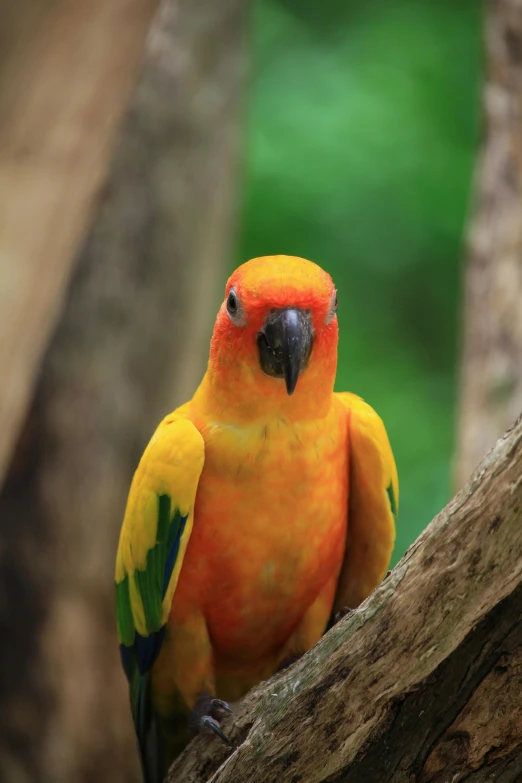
(275, 340)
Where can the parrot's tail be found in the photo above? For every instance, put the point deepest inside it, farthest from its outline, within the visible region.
(148, 730)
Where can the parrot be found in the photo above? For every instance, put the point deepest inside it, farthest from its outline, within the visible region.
(259, 510)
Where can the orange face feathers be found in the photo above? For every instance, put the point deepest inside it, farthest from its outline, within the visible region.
(275, 336)
(280, 281)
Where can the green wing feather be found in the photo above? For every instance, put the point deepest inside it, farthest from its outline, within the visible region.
(154, 536)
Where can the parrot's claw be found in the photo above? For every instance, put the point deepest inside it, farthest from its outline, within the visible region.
(206, 716)
(209, 724)
(218, 706)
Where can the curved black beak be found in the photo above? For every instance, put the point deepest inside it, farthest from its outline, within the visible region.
(285, 344)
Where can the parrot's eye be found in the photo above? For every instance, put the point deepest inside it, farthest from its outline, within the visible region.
(332, 310)
(232, 302)
(234, 308)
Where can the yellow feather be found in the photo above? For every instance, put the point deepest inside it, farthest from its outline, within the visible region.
(371, 524)
(171, 464)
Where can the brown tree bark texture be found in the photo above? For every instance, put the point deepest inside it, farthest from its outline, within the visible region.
(131, 344)
(491, 384)
(63, 88)
(423, 682)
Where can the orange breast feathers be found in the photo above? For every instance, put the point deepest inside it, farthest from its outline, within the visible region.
(269, 531)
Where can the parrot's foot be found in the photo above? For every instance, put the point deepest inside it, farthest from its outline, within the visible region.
(344, 612)
(207, 714)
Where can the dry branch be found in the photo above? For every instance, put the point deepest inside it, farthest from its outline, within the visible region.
(422, 683)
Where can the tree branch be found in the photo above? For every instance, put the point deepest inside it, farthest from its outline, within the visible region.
(422, 682)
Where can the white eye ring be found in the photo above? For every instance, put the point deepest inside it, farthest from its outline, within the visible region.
(235, 308)
(332, 309)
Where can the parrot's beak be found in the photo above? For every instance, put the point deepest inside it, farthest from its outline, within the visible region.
(285, 344)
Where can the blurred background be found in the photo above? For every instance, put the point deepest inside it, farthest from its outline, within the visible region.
(146, 149)
(362, 134)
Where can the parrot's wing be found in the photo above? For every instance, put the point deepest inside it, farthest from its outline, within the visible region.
(372, 506)
(153, 540)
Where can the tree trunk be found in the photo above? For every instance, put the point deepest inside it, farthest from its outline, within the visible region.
(131, 344)
(423, 682)
(63, 89)
(491, 390)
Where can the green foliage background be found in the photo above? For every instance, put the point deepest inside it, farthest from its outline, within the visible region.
(363, 121)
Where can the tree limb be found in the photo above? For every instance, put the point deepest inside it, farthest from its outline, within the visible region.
(422, 682)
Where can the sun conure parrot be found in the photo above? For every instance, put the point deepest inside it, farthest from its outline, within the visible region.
(258, 509)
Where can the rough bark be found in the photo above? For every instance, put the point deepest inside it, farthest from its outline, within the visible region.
(421, 683)
(491, 389)
(63, 88)
(131, 343)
